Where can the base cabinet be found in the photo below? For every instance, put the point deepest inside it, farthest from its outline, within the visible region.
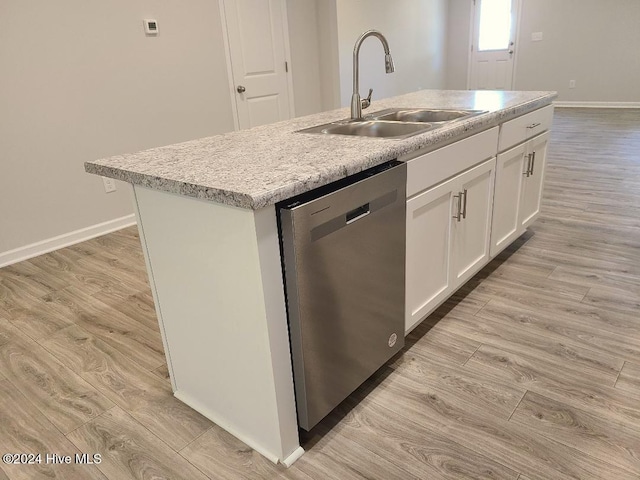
(518, 190)
(536, 160)
(448, 231)
(429, 224)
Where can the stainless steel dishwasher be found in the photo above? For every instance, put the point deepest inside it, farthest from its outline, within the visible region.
(343, 250)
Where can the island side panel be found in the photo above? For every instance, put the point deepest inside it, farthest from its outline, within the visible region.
(219, 297)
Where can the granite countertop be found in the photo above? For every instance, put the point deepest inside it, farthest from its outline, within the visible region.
(264, 165)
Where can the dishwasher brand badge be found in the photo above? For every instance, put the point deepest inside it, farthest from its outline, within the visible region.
(392, 339)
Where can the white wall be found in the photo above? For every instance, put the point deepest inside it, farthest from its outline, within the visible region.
(591, 41)
(81, 81)
(415, 30)
(594, 42)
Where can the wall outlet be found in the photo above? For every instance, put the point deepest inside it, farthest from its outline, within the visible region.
(536, 36)
(572, 84)
(109, 184)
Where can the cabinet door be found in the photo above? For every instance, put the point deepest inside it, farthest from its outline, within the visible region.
(428, 241)
(471, 233)
(532, 186)
(510, 171)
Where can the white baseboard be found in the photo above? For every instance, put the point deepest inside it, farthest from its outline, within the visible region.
(64, 240)
(596, 104)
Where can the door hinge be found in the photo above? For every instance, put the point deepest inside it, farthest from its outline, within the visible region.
(286, 67)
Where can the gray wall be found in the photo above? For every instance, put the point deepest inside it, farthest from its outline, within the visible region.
(81, 81)
(459, 15)
(594, 42)
(415, 30)
(305, 55)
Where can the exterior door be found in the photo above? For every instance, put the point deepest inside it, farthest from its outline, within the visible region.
(257, 39)
(493, 45)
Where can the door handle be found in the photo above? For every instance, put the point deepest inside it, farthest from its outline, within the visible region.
(241, 89)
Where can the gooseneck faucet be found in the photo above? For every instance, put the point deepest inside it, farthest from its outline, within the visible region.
(356, 103)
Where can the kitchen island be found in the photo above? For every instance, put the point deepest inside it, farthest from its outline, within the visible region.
(207, 221)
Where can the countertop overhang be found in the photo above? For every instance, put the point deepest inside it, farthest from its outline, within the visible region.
(258, 167)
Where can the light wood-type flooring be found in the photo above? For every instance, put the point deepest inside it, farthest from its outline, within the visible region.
(532, 371)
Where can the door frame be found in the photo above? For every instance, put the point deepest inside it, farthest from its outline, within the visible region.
(227, 56)
(472, 31)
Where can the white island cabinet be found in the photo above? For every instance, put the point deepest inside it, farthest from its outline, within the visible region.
(206, 213)
(519, 175)
(448, 222)
(466, 203)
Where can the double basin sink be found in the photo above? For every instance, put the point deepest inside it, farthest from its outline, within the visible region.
(394, 122)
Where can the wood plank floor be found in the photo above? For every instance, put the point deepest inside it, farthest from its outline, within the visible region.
(530, 372)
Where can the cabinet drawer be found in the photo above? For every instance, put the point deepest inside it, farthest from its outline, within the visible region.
(432, 168)
(520, 129)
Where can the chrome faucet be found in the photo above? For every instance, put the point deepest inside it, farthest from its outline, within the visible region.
(357, 105)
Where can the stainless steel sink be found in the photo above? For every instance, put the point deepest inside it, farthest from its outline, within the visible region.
(371, 128)
(423, 115)
(393, 123)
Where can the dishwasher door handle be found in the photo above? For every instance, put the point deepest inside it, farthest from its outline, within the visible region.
(357, 213)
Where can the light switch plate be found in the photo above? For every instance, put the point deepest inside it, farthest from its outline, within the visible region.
(536, 36)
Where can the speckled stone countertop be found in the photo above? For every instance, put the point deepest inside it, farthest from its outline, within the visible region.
(261, 166)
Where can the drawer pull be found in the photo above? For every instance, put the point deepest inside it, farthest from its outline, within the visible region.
(534, 125)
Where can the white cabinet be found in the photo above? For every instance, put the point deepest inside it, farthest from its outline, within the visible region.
(510, 167)
(428, 273)
(463, 209)
(448, 231)
(472, 227)
(518, 191)
(536, 160)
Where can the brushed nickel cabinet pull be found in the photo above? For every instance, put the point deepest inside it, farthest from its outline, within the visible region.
(533, 162)
(464, 204)
(458, 215)
(534, 125)
(527, 171)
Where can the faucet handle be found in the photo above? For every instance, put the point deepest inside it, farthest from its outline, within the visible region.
(367, 101)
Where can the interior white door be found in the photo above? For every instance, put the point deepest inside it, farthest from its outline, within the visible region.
(256, 36)
(493, 45)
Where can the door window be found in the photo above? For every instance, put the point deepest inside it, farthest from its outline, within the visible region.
(495, 25)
